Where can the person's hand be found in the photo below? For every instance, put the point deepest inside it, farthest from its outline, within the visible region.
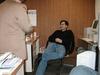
(58, 40)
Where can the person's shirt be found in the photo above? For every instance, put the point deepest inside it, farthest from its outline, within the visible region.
(83, 70)
(67, 38)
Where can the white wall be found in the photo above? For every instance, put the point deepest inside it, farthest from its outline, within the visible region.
(99, 45)
(97, 8)
(97, 13)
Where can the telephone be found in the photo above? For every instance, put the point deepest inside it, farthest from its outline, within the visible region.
(8, 60)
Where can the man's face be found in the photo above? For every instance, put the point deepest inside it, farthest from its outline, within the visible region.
(63, 26)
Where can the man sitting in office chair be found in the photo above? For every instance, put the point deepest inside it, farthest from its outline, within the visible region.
(58, 45)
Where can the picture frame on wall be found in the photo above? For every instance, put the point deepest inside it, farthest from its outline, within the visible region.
(32, 14)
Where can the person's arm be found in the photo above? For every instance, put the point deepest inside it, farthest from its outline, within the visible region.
(23, 19)
(53, 36)
(58, 40)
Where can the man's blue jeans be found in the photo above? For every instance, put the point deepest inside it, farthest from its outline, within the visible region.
(53, 51)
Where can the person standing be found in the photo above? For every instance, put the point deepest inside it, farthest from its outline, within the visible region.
(14, 24)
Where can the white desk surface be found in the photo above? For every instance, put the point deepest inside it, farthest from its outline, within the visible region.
(11, 70)
(88, 40)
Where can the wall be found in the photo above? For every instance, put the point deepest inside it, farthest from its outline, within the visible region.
(99, 46)
(97, 13)
(97, 8)
(79, 13)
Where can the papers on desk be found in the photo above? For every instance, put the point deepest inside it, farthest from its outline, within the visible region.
(87, 39)
(8, 60)
(9, 63)
(5, 55)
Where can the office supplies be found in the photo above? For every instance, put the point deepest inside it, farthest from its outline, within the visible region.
(8, 60)
(9, 63)
(5, 55)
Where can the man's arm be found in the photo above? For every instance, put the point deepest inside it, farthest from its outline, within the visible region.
(58, 40)
(52, 37)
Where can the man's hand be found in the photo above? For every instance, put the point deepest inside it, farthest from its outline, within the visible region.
(58, 40)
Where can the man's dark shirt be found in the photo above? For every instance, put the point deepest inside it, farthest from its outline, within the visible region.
(67, 38)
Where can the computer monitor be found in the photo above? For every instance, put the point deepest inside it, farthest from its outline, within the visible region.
(91, 32)
(95, 25)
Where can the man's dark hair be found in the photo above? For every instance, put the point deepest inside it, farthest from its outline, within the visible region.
(66, 22)
(1, 1)
(23, 1)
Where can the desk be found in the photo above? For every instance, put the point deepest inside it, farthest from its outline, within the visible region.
(18, 69)
(88, 54)
(87, 43)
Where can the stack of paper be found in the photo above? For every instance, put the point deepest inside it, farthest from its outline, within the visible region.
(9, 63)
(8, 60)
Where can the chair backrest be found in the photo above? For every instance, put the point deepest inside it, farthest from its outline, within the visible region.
(71, 49)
